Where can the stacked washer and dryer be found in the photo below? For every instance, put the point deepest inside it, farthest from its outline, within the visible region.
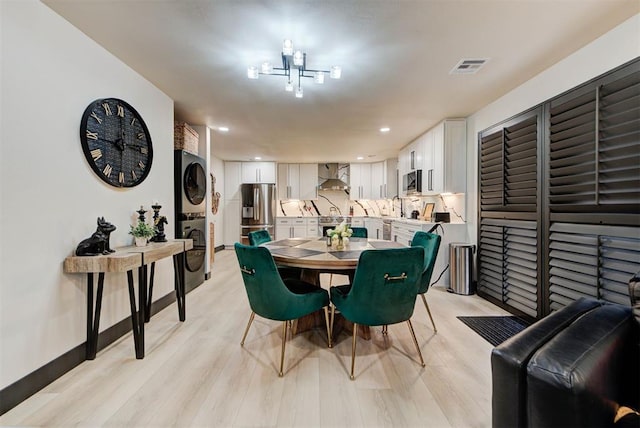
(190, 192)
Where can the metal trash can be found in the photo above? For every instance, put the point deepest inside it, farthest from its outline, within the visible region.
(461, 268)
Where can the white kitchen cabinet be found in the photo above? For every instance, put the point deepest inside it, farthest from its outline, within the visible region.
(309, 181)
(374, 227)
(360, 177)
(294, 227)
(258, 172)
(445, 158)
(312, 227)
(232, 180)
(357, 222)
(384, 181)
(297, 181)
(403, 232)
(231, 222)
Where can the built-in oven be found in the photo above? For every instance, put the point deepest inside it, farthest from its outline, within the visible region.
(412, 182)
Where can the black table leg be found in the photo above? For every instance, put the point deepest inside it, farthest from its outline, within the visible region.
(147, 314)
(137, 317)
(178, 267)
(93, 318)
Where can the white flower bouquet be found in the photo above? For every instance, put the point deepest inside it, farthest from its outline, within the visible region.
(340, 235)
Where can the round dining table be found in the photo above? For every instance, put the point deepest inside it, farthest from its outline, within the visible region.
(313, 256)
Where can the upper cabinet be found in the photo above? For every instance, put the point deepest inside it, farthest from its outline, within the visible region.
(258, 172)
(298, 181)
(360, 181)
(441, 154)
(384, 179)
(445, 158)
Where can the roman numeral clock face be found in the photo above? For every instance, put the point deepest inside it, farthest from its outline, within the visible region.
(116, 142)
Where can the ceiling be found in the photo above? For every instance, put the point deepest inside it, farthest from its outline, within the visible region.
(395, 56)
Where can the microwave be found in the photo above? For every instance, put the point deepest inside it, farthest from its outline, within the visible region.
(412, 182)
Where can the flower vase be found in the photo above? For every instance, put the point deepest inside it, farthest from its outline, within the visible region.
(141, 241)
(340, 244)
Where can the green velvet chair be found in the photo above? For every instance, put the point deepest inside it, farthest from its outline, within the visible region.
(359, 232)
(276, 299)
(259, 237)
(383, 292)
(431, 243)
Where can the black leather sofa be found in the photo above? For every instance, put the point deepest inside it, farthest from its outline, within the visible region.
(573, 368)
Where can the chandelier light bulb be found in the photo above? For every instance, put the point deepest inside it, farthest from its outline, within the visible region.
(267, 68)
(336, 72)
(318, 77)
(287, 47)
(252, 72)
(298, 58)
(299, 93)
(288, 87)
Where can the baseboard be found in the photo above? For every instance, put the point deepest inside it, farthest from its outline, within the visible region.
(24, 388)
(218, 248)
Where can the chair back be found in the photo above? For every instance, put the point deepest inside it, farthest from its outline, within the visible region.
(268, 295)
(359, 232)
(259, 237)
(431, 243)
(385, 286)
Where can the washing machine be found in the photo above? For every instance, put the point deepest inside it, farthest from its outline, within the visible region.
(194, 258)
(190, 185)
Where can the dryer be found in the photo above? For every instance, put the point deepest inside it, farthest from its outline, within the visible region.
(190, 185)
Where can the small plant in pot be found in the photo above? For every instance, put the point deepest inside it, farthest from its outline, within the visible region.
(142, 232)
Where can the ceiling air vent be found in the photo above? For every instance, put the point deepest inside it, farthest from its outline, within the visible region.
(469, 66)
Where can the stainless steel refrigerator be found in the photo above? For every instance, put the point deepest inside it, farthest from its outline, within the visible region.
(258, 209)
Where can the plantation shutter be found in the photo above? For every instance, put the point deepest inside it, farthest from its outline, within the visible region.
(587, 260)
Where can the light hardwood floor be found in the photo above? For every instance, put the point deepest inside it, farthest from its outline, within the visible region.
(196, 373)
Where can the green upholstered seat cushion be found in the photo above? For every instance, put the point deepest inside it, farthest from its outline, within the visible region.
(374, 300)
(259, 237)
(431, 244)
(268, 294)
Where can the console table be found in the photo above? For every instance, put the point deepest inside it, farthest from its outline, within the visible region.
(126, 259)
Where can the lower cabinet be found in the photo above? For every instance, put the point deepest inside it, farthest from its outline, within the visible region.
(374, 228)
(296, 227)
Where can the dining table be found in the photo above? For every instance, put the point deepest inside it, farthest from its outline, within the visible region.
(313, 256)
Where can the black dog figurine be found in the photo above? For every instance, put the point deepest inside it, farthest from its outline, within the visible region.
(98, 243)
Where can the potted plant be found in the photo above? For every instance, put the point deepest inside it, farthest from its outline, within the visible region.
(142, 232)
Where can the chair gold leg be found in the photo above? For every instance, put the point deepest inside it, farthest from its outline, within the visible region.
(415, 342)
(326, 320)
(284, 340)
(333, 314)
(435, 330)
(353, 350)
(246, 330)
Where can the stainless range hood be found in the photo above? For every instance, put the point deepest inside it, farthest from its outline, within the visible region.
(333, 175)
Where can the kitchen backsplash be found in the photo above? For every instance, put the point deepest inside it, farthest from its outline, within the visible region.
(338, 202)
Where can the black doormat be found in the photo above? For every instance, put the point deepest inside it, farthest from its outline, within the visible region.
(495, 330)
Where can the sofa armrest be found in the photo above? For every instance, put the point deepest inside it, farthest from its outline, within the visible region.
(581, 375)
(509, 363)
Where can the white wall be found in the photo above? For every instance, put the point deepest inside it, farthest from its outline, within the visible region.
(49, 197)
(618, 46)
(217, 169)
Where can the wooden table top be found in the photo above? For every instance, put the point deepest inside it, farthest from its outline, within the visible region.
(313, 252)
(126, 258)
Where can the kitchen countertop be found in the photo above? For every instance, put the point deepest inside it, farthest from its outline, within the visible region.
(398, 219)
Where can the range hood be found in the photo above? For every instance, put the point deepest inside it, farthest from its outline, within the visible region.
(333, 175)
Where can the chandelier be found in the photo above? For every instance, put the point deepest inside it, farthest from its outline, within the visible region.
(292, 60)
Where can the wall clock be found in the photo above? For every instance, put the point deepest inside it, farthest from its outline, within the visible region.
(116, 142)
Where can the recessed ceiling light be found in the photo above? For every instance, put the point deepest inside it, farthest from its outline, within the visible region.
(385, 129)
(360, 157)
(223, 129)
(257, 158)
